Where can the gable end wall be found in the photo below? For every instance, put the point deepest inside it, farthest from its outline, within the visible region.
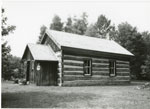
(48, 41)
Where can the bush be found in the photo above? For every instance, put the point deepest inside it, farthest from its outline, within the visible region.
(16, 81)
(147, 67)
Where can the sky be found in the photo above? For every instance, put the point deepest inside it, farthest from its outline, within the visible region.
(29, 15)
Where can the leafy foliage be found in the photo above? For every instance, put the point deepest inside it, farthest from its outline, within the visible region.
(42, 31)
(6, 29)
(113, 33)
(77, 25)
(5, 60)
(12, 68)
(146, 38)
(56, 23)
(15, 67)
(147, 67)
(80, 25)
(92, 31)
(129, 38)
(102, 28)
(69, 25)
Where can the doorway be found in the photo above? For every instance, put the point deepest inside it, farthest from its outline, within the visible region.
(28, 71)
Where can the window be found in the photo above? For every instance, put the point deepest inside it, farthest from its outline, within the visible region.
(112, 68)
(87, 66)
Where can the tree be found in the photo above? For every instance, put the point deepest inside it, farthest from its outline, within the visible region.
(56, 23)
(103, 26)
(113, 33)
(92, 31)
(5, 60)
(132, 40)
(15, 67)
(147, 66)
(125, 31)
(69, 25)
(42, 31)
(146, 38)
(80, 25)
(6, 29)
(77, 25)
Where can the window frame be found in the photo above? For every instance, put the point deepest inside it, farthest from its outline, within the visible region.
(112, 68)
(89, 67)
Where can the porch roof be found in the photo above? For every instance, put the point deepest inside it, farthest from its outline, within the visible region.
(42, 52)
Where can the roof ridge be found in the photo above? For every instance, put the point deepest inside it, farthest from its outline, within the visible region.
(78, 35)
(86, 42)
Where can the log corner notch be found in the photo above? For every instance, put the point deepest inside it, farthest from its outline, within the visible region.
(59, 68)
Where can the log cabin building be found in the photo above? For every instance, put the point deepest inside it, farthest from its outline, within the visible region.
(66, 59)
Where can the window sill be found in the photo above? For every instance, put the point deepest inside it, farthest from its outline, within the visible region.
(112, 75)
(87, 75)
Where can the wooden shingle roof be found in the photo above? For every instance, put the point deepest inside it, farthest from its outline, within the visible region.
(86, 42)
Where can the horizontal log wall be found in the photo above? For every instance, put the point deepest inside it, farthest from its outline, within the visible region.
(94, 82)
(73, 71)
(94, 77)
(72, 66)
(122, 68)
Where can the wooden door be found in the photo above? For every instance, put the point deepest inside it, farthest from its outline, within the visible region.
(48, 73)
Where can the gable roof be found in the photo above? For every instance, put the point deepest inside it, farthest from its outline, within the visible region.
(86, 42)
(41, 52)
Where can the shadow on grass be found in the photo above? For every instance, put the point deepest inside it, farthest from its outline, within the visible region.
(41, 99)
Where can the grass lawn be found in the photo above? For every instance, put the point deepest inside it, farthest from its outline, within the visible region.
(101, 97)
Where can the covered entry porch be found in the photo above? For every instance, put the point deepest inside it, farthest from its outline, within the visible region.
(40, 65)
